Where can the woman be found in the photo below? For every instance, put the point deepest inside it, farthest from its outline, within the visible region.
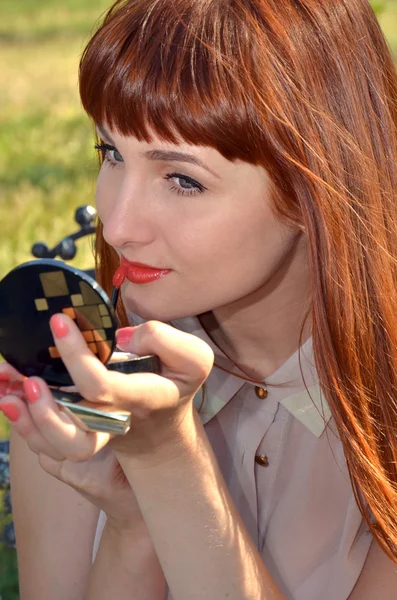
(248, 188)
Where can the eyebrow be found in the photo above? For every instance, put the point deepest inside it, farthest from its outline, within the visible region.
(165, 155)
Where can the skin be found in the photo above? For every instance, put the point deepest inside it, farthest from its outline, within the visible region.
(233, 262)
(168, 224)
(245, 274)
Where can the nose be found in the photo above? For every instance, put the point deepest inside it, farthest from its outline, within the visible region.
(127, 220)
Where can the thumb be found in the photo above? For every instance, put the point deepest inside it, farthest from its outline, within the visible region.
(183, 356)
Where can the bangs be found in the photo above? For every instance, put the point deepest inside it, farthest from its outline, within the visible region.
(152, 68)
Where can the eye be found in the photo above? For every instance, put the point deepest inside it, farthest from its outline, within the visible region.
(110, 153)
(184, 184)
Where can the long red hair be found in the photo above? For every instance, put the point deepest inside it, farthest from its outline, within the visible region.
(308, 90)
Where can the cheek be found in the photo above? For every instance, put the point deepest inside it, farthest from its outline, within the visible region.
(232, 258)
(106, 191)
(225, 238)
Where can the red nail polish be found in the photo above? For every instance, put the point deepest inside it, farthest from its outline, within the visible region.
(11, 412)
(58, 326)
(124, 336)
(8, 388)
(32, 390)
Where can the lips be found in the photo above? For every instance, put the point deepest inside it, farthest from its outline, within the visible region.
(137, 273)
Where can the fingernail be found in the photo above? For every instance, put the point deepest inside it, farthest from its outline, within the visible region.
(4, 377)
(12, 389)
(124, 336)
(32, 390)
(58, 326)
(10, 411)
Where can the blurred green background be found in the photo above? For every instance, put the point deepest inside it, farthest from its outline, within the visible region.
(47, 162)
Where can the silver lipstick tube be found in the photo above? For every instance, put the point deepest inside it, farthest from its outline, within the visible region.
(89, 418)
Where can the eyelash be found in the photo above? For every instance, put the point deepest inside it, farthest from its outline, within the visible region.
(104, 149)
(198, 189)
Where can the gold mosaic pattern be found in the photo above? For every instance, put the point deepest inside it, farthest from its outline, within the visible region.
(86, 309)
(41, 304)
(54, 284)
(77, 300)
(89, 295)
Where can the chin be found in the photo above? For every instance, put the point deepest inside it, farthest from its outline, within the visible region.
(153, 313)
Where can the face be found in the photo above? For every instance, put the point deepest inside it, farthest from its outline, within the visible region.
(188, 210)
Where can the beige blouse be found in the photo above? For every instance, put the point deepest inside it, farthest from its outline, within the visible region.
(283, 463)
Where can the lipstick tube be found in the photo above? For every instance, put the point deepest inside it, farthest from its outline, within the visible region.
(80, 410)
(92, 419)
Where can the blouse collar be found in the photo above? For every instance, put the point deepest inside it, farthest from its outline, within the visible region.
(295, 384)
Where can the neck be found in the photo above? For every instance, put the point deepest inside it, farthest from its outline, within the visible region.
(261, 331)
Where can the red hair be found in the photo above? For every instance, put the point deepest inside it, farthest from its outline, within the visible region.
(308, 90)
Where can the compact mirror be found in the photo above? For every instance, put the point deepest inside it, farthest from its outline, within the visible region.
(29, 296)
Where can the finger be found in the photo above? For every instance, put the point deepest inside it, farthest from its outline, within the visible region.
(8, 373)
(16, 411)
(87, 478)
(94, 382)
(51, 466)
(187, 360)
(183, 356)
(69, 388)
(141, 394)
(82, 475)
(87, 372)
(57, 428)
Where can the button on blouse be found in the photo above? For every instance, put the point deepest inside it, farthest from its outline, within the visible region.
(282, 460)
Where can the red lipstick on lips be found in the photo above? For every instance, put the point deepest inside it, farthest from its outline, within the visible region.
(137, 273)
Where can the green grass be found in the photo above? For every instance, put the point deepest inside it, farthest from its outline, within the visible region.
(47, 162)
(388, 21)
(37, 21)
(47, 166)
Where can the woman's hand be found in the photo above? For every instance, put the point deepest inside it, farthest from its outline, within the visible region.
(99, 479)
(160, 405)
